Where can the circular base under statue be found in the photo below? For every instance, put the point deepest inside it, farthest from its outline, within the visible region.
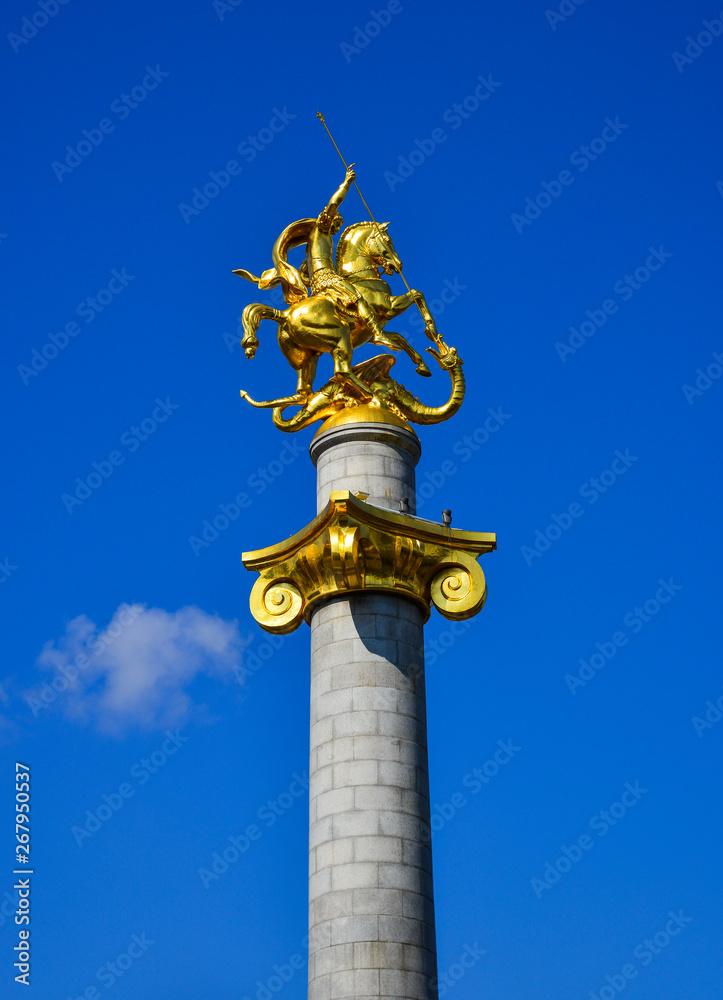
(364, 413)
(369, 451)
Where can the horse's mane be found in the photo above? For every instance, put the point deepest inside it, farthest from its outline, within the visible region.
(344, 239)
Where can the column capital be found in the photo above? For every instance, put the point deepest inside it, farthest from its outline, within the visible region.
(353, 546)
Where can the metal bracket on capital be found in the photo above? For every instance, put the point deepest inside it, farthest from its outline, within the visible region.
(353, 546)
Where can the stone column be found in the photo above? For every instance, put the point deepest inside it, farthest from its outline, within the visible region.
(365, 577)
(377, 458)
(371, 907)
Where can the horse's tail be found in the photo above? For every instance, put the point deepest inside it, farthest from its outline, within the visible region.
(251, 317)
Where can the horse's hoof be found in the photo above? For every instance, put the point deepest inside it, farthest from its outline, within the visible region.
(423, 370)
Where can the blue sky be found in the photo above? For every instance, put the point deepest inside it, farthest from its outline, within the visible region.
(581, 323)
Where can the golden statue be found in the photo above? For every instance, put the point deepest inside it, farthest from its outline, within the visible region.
(338, 301)
(336, 304)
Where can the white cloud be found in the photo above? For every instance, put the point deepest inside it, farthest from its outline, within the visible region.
(136, 671)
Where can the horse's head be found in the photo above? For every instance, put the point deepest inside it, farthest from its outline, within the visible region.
(367, 241)
(381, 250)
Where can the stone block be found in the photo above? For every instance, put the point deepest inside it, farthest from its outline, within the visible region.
(320, 831)
(402, 727)
(365, 625)
(377, 797)
(411, 753)
(399, 876)
(378, 849)
(378, 955)
(321, 682)
(355, 772)
(378, 901)
(337, 701)
(414, 803)
(344, 627)
(335, 751)
(417, 854)
(409, 703)
(355, 724)
(354, 876)
(410, 985)
(358, 928)
(354, 984)
(320, 780)
(416, 959)
(351, 675)
(355, 824)
(382, 699)
(337, 653)
(320, 936)
(402, 775)
(322, 635)
(366, 981)
(335, 852)
(320, 988)
(392, 823)
(429, 938)
(376, 748)
(321, 732)
(326, 612)
(418, 907)
(338, 800)
(337, 958)
(333, 905)
(400, 929)
(319, 883)
(380, 650)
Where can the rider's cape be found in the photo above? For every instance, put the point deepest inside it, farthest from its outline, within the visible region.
(283, 273)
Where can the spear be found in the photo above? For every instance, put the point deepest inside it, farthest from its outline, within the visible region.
(321, 117)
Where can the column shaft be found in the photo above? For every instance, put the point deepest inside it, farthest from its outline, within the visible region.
(371, 908)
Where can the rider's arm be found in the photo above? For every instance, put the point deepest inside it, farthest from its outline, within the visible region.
(338, 197)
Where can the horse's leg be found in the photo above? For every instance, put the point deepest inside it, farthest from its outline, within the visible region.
(398, 343)
(251, 317)
(399, 303)
(307, 372)
(298, 358)
(342, 355)
(302, 359)
(370, 320)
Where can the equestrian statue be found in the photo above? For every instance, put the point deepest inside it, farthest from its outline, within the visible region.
(336, 303)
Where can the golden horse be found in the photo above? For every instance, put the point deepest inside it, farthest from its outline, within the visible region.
(314, 325)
